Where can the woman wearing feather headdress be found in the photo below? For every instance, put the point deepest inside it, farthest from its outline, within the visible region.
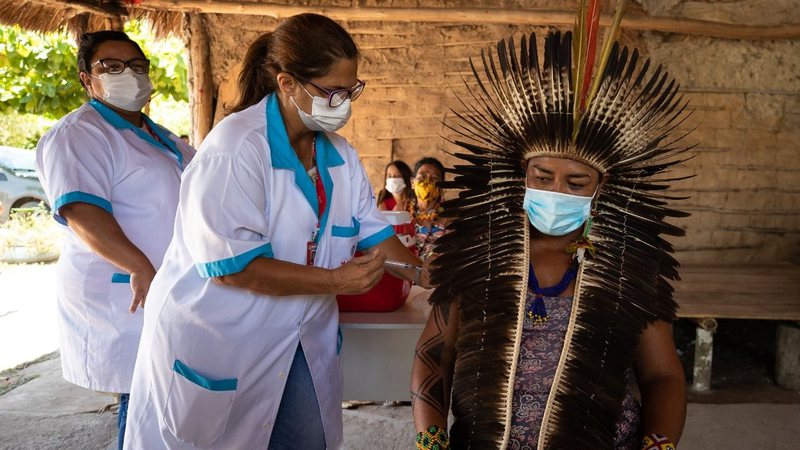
(553, 303)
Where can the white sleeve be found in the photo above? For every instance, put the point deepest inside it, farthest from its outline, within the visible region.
(224, 210)
(373, 228)
(77, 165)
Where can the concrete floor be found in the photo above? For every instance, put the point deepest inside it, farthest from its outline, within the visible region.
(28, 327)
(49, 413)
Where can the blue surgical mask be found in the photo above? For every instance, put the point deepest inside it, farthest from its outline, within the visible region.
(554, 213)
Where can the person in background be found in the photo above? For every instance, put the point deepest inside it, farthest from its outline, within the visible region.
(112, 176)
(426, 206)
(396, 194)
(241, 342)
(185, 138)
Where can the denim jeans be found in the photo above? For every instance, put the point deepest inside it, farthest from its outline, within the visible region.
(299, 421)
(122, 418)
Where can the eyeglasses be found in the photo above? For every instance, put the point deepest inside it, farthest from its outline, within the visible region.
(116, 66)
(337, 96)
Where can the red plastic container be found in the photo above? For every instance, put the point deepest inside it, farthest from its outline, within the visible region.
(390, 293)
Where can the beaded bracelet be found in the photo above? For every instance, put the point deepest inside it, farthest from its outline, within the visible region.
(655, 441)
(434, 438)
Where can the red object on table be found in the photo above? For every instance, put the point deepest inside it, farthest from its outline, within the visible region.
(390, 293)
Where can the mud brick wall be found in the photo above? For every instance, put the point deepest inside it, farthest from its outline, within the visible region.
(745, 197)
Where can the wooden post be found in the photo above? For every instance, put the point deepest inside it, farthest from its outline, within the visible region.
(703, 353)
(787, 356)
(201, 84)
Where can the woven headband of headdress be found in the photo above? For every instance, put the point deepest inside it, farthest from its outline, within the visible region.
(618, 122)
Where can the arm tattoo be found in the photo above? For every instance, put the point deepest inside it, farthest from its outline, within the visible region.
(432, 389)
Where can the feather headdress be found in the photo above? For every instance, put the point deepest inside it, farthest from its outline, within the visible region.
(619, 121)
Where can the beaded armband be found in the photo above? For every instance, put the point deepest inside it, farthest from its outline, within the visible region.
(434, 438)
(655, 441)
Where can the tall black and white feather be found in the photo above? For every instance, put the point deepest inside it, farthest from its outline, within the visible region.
(521, 110)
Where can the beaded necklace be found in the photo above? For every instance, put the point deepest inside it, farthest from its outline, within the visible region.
(537, 311)
(431, 214)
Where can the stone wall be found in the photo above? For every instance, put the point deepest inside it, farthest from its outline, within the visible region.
(745, 198)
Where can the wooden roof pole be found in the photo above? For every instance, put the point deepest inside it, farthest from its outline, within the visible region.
(480, 16)
(195, 35)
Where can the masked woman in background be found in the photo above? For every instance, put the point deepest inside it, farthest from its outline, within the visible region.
(426, 207)
(396, 194)
(112, 176)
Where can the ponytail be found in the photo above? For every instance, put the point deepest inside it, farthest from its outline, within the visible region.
(306, 46)
(256, 80)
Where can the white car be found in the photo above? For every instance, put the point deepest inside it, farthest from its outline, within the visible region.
(19, 183)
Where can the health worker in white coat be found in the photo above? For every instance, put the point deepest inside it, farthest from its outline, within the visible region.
(113, 177)
(240, 344)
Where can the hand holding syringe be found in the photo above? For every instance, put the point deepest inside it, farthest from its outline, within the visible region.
(418, 270)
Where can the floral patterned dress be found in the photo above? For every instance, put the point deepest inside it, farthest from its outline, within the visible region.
(428, 227)
(539, 354)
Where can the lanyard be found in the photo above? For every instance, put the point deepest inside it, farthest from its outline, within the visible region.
(317, 178)
(152, 133)
(321, 198)
(313, 243)
(169, 145)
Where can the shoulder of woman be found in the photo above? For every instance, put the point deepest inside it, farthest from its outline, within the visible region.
(84, 125)
(85, 117)
(235, 134)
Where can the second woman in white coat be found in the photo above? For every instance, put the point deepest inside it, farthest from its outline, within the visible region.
(240, 344)
(112, 176)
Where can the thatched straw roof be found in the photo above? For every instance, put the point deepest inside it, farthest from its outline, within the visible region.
(80, 16)
(164, 16)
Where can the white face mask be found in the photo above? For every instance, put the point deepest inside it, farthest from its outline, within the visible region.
(323, 117)
(395, 185)
(127, 90)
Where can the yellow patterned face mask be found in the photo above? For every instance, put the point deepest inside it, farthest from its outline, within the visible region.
(426, 190)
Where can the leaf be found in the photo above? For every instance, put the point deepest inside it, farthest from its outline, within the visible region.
(45, 67)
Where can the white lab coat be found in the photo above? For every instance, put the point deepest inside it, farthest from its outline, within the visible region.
(94, 156)
(214, 359)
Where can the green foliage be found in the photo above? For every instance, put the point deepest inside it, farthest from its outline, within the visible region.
(22, 130)
(39, 73)
(175, 116)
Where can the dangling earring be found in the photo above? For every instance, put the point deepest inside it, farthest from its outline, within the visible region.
(583, 243)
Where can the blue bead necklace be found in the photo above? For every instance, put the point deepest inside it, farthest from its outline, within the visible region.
(537, 312)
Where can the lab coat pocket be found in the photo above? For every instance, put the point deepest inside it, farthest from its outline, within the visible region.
(346, 231)
(344, 240)
(198, 408)
(120, 297)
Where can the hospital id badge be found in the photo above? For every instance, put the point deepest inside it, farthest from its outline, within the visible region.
(311, 252)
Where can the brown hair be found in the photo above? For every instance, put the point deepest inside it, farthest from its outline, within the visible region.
(89, 42)
(306, 46)
(431, 161)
